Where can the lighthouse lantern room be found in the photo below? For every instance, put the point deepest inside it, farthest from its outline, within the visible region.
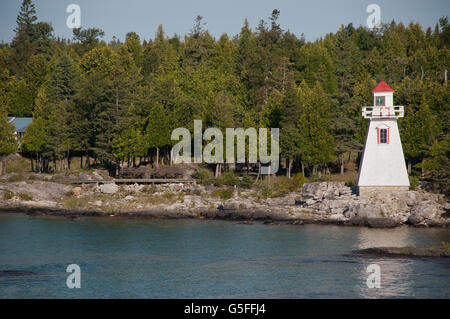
(382, 166)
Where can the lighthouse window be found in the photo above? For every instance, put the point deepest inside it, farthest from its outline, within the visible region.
(383, 135)
(380, 101)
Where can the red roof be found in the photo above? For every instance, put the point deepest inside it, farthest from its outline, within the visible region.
(382, 87)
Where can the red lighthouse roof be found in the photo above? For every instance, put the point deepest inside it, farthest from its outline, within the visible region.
(382, 87)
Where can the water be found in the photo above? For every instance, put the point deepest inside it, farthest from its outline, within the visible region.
(122, 258)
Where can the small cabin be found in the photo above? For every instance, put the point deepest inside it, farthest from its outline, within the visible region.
(20, 125)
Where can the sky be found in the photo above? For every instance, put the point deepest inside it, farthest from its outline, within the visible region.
(313, 18)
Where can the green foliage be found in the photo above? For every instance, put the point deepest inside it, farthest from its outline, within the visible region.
(437, 166)
(413, 182)
(223, 193)
(445, 245)
(121, 100)
(246, 181)
(7, 194)
(229, 179)
(8, 143)
(279, 186)
(25, 197)
(315, 139)
(204, 176)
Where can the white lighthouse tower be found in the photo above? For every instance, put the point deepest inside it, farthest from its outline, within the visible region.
(383, 166)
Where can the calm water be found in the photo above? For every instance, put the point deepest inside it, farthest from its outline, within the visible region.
(209, 259)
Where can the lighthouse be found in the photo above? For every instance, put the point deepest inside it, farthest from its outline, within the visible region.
(382, 167)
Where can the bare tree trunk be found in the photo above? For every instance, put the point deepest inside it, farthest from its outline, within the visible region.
(157, 157)
(218, 172)
(342, 164)
(289, 168)
(409, 167)
(303, 169)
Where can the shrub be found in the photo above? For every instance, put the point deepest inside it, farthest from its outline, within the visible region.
(229, 179)
(246, 181)
(223, 193)
(7, 195)
(25, 196)
(413, 182)
(280, 185)
(204, 176)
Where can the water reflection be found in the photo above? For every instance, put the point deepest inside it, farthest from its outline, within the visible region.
(210, 259)
(398, 275)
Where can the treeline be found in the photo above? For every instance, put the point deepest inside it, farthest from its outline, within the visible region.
(119, 102)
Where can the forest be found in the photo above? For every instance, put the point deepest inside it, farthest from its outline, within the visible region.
(115, 104)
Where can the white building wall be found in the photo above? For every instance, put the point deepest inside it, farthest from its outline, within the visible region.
(383, 164)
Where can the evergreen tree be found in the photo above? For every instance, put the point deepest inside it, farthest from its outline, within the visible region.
(156, 130)
(8, 143)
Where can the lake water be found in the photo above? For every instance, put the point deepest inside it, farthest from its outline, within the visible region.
(122, 258)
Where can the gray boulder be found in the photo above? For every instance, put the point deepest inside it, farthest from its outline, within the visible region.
(374, 222)
(232, 205)
(109, 188)
(324, 190)
(423, 212)
(363, 210)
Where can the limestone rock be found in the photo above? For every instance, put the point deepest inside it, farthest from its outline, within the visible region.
(325, 190)
(109, 188)
(363, 210)
(424, 211)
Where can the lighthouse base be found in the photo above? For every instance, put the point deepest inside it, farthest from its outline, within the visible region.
(368, 190)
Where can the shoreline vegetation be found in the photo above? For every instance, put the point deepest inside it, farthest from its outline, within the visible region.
(273, 200)
(102, 110)
(115, 104)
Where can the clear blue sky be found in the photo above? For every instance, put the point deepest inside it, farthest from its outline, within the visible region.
(314, 18)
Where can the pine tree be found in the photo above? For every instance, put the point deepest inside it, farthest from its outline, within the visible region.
(315, 141)
(156, 129)
(8, 143)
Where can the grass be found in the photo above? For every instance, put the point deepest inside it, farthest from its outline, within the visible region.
(278, 186)
(349, 178)
(21, 165)
(223, 193)
(16, 178)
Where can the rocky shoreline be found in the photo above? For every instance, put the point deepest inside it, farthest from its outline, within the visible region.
(316, 203)
(432, 252)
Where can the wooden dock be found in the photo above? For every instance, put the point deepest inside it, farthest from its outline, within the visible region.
(136, 181)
